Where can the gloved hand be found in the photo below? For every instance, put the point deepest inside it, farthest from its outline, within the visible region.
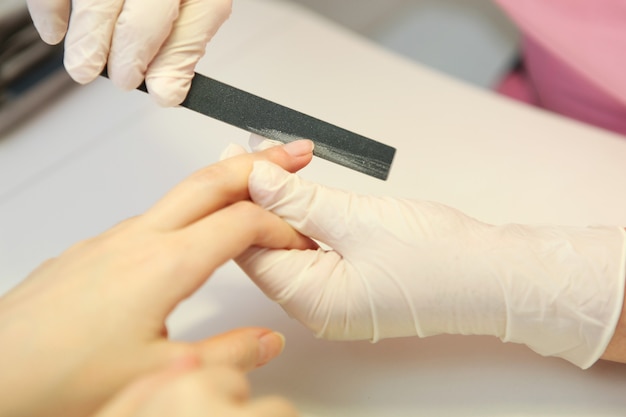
(404, 268)
(161, 41)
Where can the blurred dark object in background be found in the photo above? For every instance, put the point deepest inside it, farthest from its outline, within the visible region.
(31, 72)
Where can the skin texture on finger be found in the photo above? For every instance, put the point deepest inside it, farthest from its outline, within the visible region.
(212, 241)
(272, 407)
(194, 392)
(169, 75)
(131, 398)
(88, 39)
(140, 30)
(218, 185)
(127, 280)
(50, 18)
(246, 348)
(210, 391)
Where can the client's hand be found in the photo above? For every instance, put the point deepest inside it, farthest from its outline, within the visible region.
(84, 324)
(186, 390)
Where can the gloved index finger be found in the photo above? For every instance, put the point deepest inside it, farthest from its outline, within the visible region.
(337, 218)
(50, 18)
(140, 31)
(89, 35)
(169, 74)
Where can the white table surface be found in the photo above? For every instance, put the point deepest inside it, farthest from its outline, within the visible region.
(98, 155)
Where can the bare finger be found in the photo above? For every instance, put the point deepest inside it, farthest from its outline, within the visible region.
(272, 407)
(246, 348)
(207, 244)
(221, 184)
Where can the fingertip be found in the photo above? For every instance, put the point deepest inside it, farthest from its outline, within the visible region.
(271, 345)
(82, 70)
(292, 156)
(82, 75)
(50, 19)
(85, 55)
(123, 75)
(301, 147)
(52, 36)
(168, 91)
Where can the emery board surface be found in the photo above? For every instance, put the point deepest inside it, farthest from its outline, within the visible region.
(274, 121)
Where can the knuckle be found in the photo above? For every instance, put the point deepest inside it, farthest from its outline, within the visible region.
(213, 175)
(125, 224)
(197, 384)
(45, 266)
(252, 217)
(238, 382)
(241, 353)
(81, 245)
(247, 210)
(224, 8)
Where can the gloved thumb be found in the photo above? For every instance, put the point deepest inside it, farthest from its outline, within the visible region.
(319, 212)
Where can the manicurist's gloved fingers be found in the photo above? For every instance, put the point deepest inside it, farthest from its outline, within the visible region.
(218, 185)
(88, 39)
(50, 18)
(169, 75)
(319, 212)
(141, 29)
(285, 275)
(159, 41)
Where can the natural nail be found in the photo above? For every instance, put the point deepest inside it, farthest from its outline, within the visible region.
(270, 346)
(299, 147)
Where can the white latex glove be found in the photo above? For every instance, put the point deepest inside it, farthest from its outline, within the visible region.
(405, 268)
(160, 41)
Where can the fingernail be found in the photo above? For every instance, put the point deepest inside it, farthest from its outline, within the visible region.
(299, 147)
(270, 346)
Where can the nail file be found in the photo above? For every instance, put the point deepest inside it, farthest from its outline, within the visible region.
(274, 121)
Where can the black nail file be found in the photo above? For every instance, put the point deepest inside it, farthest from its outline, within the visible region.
(271, 120)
